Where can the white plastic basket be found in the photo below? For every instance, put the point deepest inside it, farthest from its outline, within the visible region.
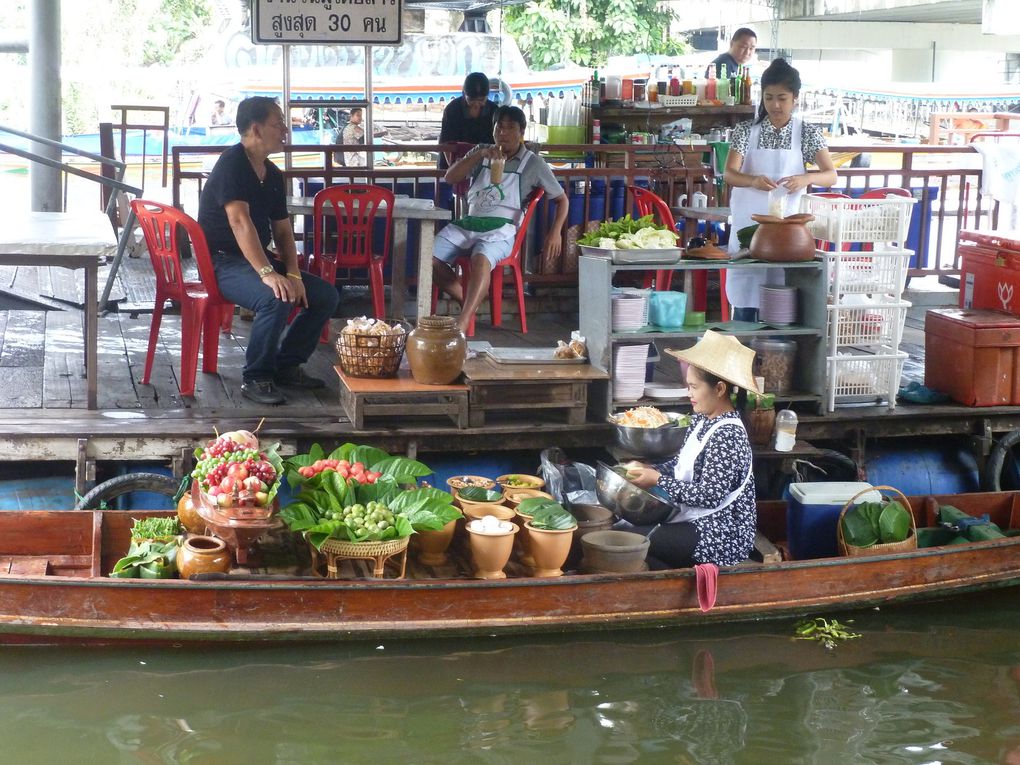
(842, 221)
(860, 378)
(688, 100)
(879, 323)
(878, 272)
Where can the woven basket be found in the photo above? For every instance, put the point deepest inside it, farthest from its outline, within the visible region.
(908, 544)
(363, 354)
(348, 549)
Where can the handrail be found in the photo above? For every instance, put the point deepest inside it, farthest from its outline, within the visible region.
(117, 184)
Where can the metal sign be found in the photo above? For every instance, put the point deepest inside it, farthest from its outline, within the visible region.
(307, 22)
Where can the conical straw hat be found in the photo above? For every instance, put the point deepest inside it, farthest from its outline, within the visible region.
(722, 356)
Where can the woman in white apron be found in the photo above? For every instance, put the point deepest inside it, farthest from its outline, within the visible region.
(710, 481)
(769, 156)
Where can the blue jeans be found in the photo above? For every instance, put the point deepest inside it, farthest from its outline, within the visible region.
(745, 314)
(270, 348)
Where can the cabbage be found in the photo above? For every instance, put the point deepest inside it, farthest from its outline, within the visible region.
(606, 243)
(654, 239)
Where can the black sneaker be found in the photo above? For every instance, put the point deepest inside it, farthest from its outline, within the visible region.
(296, 377)
(262, 392)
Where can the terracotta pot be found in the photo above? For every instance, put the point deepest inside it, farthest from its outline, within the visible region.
(436, 350)
(202, 555)
(432, 544)
(490, 552)
(520, 481)
(784, 241)
(464, 504)
(614, 551)
(549, 549)
(188, 515)
(476, 512)
(523, 542)
(513, 497)
(589, 518)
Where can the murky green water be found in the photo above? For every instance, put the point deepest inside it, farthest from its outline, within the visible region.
(939, 684)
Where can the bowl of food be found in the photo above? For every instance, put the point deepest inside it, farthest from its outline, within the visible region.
(648, 433)
(626, 500)
(520, 481)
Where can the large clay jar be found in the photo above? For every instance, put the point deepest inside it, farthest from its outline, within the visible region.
(490, 551)
(436, 350)
(202, 555)
(549, 549)
(783, 240)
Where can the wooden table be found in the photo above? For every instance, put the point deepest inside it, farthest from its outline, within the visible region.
(67, 240)
(404, 209)
(400, 397)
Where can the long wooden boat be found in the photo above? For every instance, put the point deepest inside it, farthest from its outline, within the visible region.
(54, 588)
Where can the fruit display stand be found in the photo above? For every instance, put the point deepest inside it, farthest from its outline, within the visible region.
(378, 398)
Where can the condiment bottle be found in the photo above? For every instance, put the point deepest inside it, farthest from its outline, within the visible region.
(687, 86)
(722, 88)
(786, 430)
(745, 89)
(674, 86)
(710, 85)
(653, 92)
(596, 131)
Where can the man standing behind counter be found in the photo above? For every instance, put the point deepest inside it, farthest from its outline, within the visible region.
(469, 117)
(243, 206)
(743, 44)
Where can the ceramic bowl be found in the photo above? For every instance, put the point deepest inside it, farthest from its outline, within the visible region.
(634, 505)
(520, 481)
(514, 497)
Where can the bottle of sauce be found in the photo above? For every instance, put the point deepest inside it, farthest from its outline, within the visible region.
(596, 131)
(687, 87)
(710, 89)
(674, 86)
(745, 89)
(653, 92)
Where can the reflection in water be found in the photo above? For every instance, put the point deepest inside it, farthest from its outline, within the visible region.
(921, 686)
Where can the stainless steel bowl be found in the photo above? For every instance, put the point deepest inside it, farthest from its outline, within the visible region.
(634, 505)
(650, 443)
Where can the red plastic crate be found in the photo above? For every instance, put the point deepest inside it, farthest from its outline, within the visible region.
(973, 355)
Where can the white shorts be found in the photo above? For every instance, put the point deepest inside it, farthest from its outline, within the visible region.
(448, 252)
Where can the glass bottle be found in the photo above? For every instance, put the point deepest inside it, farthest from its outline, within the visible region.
(745, 90)
(786, 430)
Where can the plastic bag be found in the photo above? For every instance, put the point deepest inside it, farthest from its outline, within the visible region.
(667, 309)
(568, 481)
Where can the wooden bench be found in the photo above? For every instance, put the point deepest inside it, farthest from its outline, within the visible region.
(400, 397)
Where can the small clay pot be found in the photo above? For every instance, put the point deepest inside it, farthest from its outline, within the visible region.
(513, 497)
(202, 555)
(432, 544)
(785, 240)
(491, 552)
(188, 515)
(549, 549)
(475, 512)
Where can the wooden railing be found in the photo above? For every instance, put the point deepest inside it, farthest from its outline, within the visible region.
(945, 179)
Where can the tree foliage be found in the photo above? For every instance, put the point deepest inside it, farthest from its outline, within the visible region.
(588, 32)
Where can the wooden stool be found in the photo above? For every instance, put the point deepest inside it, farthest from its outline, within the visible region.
(401, 396)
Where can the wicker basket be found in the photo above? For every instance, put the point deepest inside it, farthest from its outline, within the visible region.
(363, 354)
(337, 550)
(908, 544)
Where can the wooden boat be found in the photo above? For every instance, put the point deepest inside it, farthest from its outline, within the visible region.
(54, 588)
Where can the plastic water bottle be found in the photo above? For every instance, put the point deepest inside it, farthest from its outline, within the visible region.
(786, 430)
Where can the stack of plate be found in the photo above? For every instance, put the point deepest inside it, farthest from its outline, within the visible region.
(777, 305)
(629, 369)
(630, 311)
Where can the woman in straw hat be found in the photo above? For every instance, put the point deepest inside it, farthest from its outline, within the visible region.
(710, 480)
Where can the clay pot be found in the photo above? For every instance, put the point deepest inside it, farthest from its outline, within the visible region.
(513, 497)
(520, 481)
(475, 512)
(201, 555)
(491, 551)
(523, 539)
(188, 515)
(614, 551)
(549, 549)
(782, 240)
(432, 545)
(464, 504)
(436, 350)
(589, 518)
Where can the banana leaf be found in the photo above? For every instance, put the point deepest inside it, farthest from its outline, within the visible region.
(893, 523)
(857, 528)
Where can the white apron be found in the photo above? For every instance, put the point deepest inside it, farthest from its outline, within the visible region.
(684, 470)
(742, 285)
(494, 212)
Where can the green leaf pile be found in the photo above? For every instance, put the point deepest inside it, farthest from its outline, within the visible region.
(871, 523)
(617, 228)
(547, 514)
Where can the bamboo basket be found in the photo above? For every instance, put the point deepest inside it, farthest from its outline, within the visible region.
(337, 550)
(908, 544)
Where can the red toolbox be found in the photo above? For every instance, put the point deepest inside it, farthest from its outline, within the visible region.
(973, 355)
(990, 270)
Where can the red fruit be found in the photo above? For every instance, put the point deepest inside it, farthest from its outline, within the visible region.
(357, 467)
(370, 478)
(306, 471)
(343, 463)
(237, 470)
(344, 472)
(374, 475)
(227, 484)
(214, 491)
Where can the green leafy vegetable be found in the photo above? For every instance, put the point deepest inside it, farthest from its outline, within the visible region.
(627, 233)
(894, 523)
(871, 523)
(551, 516)
(150, 559)
(825, 631)
(156, 528)
(478, 494)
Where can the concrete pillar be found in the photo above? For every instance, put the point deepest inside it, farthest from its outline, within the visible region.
(44, 100)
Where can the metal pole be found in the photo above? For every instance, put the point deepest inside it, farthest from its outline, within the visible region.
(369, 132)
(286, 98)
(44, 106)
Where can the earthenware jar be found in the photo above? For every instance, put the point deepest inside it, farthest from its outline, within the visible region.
(491, 548)
(782, 239)
(202, 555)
(188, 515)
(589, 518)
(614, 551)
(436, 350)
(549, 549)
(432, 544)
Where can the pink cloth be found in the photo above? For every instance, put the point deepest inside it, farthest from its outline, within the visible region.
(707, 576)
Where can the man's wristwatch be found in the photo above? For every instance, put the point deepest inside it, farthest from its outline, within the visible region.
(266, 271)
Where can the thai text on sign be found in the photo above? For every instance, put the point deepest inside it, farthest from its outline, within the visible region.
(362, 22)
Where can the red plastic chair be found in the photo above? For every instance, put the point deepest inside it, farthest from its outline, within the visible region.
(648, 202)
(355, 207)
(455, 152)
(511, 261)
(203, 309)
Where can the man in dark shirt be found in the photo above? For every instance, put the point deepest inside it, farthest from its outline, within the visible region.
(242, 208)
(469, 117)
(742, 47)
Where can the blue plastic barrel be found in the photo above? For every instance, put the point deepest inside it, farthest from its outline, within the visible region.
(920, 472)
(42, 493)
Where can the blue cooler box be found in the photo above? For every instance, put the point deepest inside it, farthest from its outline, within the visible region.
(812, 513)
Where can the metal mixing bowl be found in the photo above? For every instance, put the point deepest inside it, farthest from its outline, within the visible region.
(650, 443)
(634, 505)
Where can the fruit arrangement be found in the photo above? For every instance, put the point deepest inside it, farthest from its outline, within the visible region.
(233, 470)
(375, 503)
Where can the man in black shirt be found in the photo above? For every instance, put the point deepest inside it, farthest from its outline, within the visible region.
(469, 117)
(243, 206)
(742, 47)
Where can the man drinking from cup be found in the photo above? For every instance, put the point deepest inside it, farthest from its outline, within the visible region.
(502, 176)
